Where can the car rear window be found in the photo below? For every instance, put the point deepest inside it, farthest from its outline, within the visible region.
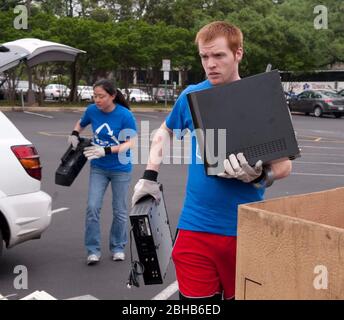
(330, 94)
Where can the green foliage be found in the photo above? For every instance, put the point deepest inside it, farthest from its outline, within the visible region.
(125, 34)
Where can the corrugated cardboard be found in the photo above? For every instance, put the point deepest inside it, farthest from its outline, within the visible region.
(292, 247)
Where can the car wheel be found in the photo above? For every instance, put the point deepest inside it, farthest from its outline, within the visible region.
(318, 112)
(337, 115)
(133, 100)
(1, 242)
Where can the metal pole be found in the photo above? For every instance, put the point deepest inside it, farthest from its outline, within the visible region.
(165, 93)
(22, 99)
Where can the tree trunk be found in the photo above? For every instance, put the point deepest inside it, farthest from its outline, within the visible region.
(156, 77)
(73, 97)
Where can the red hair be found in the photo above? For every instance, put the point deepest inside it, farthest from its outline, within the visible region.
(217, 29)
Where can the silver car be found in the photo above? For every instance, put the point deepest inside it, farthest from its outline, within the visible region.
(318, 102)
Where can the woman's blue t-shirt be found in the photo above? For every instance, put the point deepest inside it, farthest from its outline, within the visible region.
(211, 203)
(110, 129)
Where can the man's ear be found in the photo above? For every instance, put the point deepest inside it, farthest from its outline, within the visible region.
(239, 54)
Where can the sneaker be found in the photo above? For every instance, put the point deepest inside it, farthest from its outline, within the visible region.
(118, 256)
(92, 259)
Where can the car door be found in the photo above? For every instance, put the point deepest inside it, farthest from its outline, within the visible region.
(294, 104)
(316, 100)
(304, 102)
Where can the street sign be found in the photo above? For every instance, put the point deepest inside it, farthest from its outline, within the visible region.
(166, 65)
(166, 76)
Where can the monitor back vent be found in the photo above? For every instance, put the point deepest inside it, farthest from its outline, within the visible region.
(264, 149)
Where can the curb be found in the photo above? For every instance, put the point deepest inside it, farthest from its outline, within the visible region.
(79, 109)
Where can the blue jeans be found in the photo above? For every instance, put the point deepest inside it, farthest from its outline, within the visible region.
(99, 180)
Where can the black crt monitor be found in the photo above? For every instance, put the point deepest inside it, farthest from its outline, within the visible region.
(250, 115)
(153, 238)
(72, 163)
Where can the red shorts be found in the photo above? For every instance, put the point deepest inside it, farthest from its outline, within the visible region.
(205, 264)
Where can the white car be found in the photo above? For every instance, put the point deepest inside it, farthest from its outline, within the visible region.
(25, 210)
(23, 86)
(56, 91)
(138, 95)
(85, 93)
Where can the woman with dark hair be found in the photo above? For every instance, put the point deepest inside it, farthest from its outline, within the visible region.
(114, 130)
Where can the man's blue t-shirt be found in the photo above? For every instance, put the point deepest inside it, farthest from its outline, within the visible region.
(111, 129)
(211, 203)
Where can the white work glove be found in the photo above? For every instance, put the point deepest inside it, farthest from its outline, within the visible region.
(237, 167)
(73, 139)
(94, 152)
(145, 187)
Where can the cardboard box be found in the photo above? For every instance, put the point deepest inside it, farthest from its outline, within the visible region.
(292, 247)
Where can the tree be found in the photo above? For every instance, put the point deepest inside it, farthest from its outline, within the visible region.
(6, 5)
(138, 34)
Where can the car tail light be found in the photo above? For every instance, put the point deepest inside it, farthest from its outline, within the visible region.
(29, 159)
(329, 101)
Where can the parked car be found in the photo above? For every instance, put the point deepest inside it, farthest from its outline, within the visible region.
(160, 95)
(56, 91)
(341, 92)
(25, 210)
(85, 93)
(20, 86)
(318, 102)
(23, 86)
(290, 95)
(138, 95)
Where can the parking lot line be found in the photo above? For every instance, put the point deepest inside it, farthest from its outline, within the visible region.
(326, 163)
(322, 154)
(146, 115)
(59, 210)
(167, 292)
(317, 174)
(60, 134)
(318, 147)
(39, 114)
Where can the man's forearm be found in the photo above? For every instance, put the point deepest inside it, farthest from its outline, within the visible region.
(160, 141)
(281, 169)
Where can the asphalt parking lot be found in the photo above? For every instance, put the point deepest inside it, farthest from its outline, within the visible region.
(56, 262)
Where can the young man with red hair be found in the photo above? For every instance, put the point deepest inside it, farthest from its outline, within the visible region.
(204, 252)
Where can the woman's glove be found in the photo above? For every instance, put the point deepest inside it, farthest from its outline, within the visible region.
(73, 139)
(96, 152)
(237, 167)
